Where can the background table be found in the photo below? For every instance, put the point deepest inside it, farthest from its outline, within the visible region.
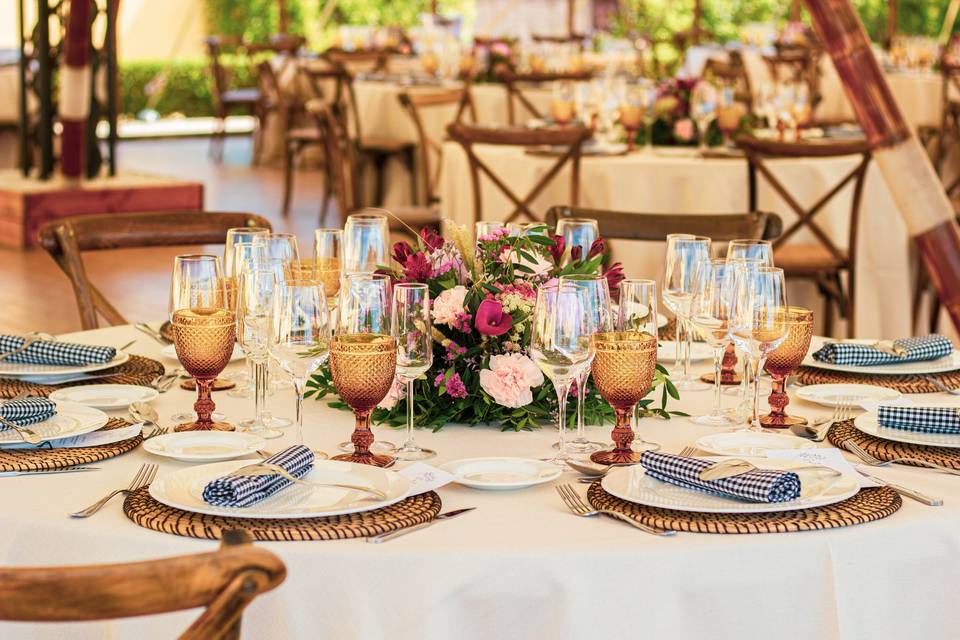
(684, 183)
(520, 566)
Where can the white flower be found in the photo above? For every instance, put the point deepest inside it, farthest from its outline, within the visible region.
(448, 304)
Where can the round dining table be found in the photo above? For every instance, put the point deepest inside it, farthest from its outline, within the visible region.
(520, 565)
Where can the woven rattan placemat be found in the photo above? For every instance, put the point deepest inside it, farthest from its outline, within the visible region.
(148, 513)
(903, 384)
(46, 459)
(866, 506)
(882, 449)
(137, 370)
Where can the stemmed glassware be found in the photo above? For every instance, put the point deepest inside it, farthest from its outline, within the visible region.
(703, 109)
(244, 255)
(684, 254)
(562, 109)
(633, 112)
(757, 253)
(758, 324)
(366, 240)
(637, 311)
(363, 359)
(204, 330)
(782, 361)
(710, 314)
(412, 328)
(280, 246)
(561, 344)
(256, 292)
(600, 308)
(302, 334)
(729, 113)
(577, 232)
(328, 250)
(236, 236)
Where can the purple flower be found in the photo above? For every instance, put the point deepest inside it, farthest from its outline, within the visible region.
(491, 320)
(454, 386)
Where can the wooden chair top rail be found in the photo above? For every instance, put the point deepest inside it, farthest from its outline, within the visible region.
(426, 98)
(809, 149)
(544, 76)
(653, 227)
(472, 134)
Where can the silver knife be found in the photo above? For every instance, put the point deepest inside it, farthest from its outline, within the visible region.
(48, 471)
(904, 491)
(383, 537)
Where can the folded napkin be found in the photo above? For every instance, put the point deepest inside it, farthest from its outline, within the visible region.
(762, 485)
(27, 411)
(925, 419)
(64, 354)
(929, 347)
(244, 491)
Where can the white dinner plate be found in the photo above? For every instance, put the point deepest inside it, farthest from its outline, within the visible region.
(106, 396)
(501, 474)
(14, 370)
(71, 419)
(818, 488)
(204, 446)
(170, 351)
(749, 443)
(868, 423)
(947, 363)
(667, 350)
(830, 395)
(183, 489)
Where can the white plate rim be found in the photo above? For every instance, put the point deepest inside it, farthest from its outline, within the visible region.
(97, 419)
(706, 447)
(452, 466)
(948, 363)
(156, 488)
(147, 394)
(869, 424)
(805, 392)
(700, 352)
(150, 445)
(34, 370)
(745, 507)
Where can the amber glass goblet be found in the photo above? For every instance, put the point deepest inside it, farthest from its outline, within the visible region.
(363, 367)
(623, 372)
(204, 339)
(782, 361)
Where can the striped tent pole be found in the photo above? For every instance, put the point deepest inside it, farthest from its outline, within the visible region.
(75, 86)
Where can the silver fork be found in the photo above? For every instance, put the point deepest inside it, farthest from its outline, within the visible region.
(156, 431)
(576, 505)
(27, 435)
(941, 386)
(687, 451)
(861, 453)
(145, 475)
(143, 327)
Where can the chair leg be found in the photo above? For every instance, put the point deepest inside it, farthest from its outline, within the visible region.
(919, 289)
(934, 313)
(410, 159)
(290, 153)
(827, 315)
(217, 138)
(380, 170)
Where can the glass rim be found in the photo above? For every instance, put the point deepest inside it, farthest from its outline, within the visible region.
(327, 230)
(579, 220)
(638, 281)
(411, 285)
(748, 241)
(196, 256)
(250, 230)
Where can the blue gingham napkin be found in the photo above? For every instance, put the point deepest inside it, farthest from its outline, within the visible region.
(929, 347)
(63, 354)
(924, 419)
(27, 411)
(244, 491)
(762, 485)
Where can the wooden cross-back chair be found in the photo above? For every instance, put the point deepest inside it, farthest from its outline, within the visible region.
(820, 261)
(367, 60)
(949, 122)
(655, 227)
(415, 103)
(65, 239)
(226, 100)
(224, 582)
(571, 138)
(797, 63)
(513, 84)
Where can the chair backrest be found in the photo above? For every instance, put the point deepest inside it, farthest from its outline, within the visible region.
(573, 38)
(653, 227)
(370, 60)
(224, 582)
(759, 151)
(66, 238)
(341, 155)
(344, 98)
(569, 139)
(216, 46)
(798, 63)
(281, 43)
(414, 103)
(513, 81)
(732, 72)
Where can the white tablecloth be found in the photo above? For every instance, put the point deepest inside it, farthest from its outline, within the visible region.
(521, 566)
(690, 184)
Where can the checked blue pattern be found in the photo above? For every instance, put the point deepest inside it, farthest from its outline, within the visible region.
(923, 419)
(244, 491)
(930, 347)
(27, 411)
(62, 354)
(762, 485)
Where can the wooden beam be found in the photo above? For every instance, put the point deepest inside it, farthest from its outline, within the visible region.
(284, 16)
(893, 7)
(697, 20)
(570, 10)
(949, 19)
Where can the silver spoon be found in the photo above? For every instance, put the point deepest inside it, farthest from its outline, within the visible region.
(143, 412)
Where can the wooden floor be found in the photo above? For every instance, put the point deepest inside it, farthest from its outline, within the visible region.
(36, 296)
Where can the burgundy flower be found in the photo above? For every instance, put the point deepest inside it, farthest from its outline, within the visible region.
(576, 253)
(401, 251)
(491, 320)
(417, 268)
(614, 276)
(431, 239)
(556, 251)
(596, 248)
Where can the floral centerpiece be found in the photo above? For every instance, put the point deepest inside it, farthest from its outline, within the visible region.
(483, 295)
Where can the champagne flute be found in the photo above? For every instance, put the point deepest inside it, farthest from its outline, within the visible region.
(600, 308)
(561, 344)
(302, 335)
(366, 238)
(710, 314)
(235, 236)
(577, 232)
(758, 324)
(328, 250)
(412, 328)
(759, 253)
(637, 311)
(684, 254)
(255, 308)
(703, 109)
(363, 359)
(243, 255)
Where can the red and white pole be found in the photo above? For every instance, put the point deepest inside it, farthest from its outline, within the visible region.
(75, 86)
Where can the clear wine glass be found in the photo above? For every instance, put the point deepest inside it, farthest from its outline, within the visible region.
(255, 323)
(684, 254)
(758, 323)
(637, 311)
(328, 250)
(758, 253)
(561, 344)
(366, 242)
(577, 232)
(703, 109)
(242, 255)
(302, 339)
(710, 314)
(236, 236)
(412, 328)
(280, 246)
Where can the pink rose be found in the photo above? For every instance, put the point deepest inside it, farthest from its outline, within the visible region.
(510, 378)
(683, 129)
(396, 393)
(449, 305)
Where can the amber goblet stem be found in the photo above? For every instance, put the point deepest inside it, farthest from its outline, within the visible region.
(728, 372)
(204, 405)
(622, 436)
(631, 138)
(778, 400)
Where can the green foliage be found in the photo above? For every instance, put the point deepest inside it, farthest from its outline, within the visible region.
(188, 85)
(255, 20)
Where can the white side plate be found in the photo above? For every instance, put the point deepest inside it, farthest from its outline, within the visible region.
(667, 351)
(204, 446)
(12, 370)
(829, 395)
(501, 474)
(749, 443)
(106, 396)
